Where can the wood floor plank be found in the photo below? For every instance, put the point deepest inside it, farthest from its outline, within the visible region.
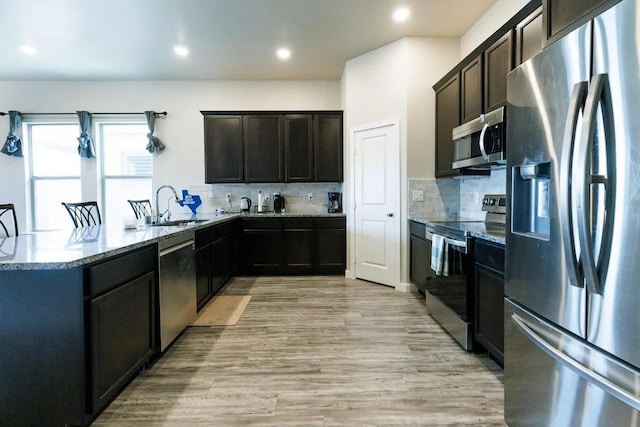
(316, 351)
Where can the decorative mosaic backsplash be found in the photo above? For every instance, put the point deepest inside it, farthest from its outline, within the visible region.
(295, 195)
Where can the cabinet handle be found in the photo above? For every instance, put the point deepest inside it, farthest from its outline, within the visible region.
(390, 214)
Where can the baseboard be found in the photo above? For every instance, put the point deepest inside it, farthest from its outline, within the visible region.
(349, 274)
(404, 287)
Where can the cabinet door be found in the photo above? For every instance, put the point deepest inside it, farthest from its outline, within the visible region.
(203, 275)
(263, 148)
(529, 37)
(498, 61)
(447, 117)
(330, 245)
(328, 147)
(122, 336)
(561, 15)
(223, 149)
(489, 325)
(418, 268)
(298, 250)
(299, 245)
(298, 143)
(217, 266)
(262, 251)
(471, 78)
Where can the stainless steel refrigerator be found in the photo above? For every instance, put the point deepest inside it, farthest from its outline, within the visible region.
(572, 309)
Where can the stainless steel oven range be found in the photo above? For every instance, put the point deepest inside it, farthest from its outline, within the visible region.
(449, 289)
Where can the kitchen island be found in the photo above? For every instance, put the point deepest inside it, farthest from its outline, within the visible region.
(79, 315)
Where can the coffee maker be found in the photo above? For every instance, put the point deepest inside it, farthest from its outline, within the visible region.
(335, 202)
(278, 203)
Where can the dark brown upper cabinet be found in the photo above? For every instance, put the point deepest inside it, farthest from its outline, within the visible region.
(498, 61)
(328, 147)
(447, 117)
(562, 16)
(298, 144)
(223, 149)
(471, 80)
(529, 37)
(273, 146)
(263, 148)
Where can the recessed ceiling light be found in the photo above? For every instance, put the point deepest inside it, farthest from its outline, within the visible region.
(283, 53)
(401, 14)
(180, 50)
(28, 50)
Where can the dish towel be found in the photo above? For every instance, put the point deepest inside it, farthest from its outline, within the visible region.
(439, 255)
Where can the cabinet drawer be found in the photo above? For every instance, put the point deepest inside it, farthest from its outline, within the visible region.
(331, 222)
(121, 269)
(490, 255)
(217, 232)
(256, 223)
(299, 223)
(202, 237)
(417, 229)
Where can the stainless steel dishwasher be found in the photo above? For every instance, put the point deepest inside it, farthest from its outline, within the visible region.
(176, 263)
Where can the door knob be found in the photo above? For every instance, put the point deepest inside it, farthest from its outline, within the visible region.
(390, 214)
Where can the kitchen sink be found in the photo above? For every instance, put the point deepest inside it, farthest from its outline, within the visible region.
(179, 222)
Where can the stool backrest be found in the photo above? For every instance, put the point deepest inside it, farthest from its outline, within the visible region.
(83, 214)
(141, 208)
(8, 220)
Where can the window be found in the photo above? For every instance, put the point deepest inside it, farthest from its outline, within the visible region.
(127, 168)
(55, 172)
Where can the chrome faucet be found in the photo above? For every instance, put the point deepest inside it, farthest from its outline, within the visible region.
(158, 214)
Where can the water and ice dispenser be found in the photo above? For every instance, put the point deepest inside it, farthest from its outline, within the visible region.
(530, 205)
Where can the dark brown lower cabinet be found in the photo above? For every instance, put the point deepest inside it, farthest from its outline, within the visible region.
(261, 251)
(299, 252)
(489, 285)
(287, 246)
(419, 250)
(216, 259)
(203, 272)
(331, 242)
(122, 328)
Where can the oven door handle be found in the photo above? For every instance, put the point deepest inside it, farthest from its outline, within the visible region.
(451, 242)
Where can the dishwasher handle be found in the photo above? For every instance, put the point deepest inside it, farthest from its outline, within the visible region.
(177, 247)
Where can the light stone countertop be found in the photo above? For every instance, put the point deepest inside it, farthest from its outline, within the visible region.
(492, 236)
(73, 247)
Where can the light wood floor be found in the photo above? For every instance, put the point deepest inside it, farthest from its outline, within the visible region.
(315, 351)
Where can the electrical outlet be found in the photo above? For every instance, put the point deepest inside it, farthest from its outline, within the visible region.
(310, 196)
(417, 196)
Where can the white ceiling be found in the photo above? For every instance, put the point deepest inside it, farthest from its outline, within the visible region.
(227, 39)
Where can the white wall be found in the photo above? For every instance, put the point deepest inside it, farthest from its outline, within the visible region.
(181, 164)
(429, 59)
(395, 82)
(494, 18)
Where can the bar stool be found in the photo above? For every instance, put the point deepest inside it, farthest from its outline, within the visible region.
(8, 220)
(142, 208)
(83, 213)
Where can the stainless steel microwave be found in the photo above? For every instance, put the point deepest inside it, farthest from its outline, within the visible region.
(480, 143)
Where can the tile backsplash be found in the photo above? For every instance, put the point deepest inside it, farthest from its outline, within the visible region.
(473, 189)
(295, 194)
(441, 197)
(450, 197)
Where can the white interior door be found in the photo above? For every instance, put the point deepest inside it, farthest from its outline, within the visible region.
(377, 187)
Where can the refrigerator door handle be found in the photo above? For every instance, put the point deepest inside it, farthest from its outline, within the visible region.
(589, 375)
(576, 105)
(598, 95)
